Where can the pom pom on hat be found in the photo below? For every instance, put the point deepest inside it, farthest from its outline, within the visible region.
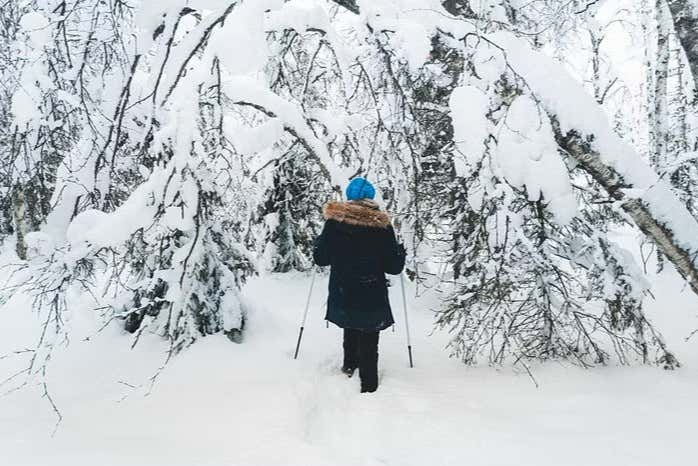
(360, 188)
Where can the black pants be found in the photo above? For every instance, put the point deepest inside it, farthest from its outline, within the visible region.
(361, 350)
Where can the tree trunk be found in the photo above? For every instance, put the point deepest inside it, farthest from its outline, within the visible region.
(685, 16)
(349, 5)
(596, 65)
(20, 224)
(458, 8)
(660, 116)
(647, 8)
(681, 101)
(581, 151)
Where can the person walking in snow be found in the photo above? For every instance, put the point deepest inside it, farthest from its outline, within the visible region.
(358, 242)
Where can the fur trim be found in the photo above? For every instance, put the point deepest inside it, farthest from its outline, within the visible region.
(364, 213)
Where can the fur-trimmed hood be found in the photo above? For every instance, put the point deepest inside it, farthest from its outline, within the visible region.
(363, 213)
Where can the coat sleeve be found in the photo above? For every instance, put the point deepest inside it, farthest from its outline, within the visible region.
(321, 248)
(394, 260)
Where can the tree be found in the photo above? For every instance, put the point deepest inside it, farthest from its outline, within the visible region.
(491, 157)
(685, 16)
(501, 78)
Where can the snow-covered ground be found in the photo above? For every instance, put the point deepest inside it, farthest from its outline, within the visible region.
(221, 403)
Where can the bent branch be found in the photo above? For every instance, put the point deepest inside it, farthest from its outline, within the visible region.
(590, 160)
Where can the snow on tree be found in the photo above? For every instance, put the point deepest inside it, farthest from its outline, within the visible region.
(180, 165)
(152, 203)
(48, 98)
(505, 55)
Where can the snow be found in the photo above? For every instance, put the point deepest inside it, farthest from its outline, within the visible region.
(414, 43)
(33, 77)
(149, 15)
(528, 157)
(489, 64)
(220, 403)
(92, 230)
(243, 89)
(526, 151)
(469, 107)
(299, 15)
(39, 245)
(251, 140)
(494, 9)
(241, 43)
(74, 178)
(79, 228)
(24, 103)
(407, 24)
(36, 26)
(576, 110)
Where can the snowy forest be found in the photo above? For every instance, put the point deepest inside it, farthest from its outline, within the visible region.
(163, 170)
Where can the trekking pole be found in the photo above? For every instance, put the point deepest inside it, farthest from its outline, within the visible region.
(305, 316)
(407, 324)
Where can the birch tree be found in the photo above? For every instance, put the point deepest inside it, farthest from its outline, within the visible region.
(660, 114)
(685, 16)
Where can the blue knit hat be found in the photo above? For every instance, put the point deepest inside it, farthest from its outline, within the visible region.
(360, 188)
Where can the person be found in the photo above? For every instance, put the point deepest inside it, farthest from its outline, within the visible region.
(358, 243)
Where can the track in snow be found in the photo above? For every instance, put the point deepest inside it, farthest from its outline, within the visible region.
(252, 404)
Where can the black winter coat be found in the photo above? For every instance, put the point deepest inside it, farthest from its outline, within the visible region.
(359, 244)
